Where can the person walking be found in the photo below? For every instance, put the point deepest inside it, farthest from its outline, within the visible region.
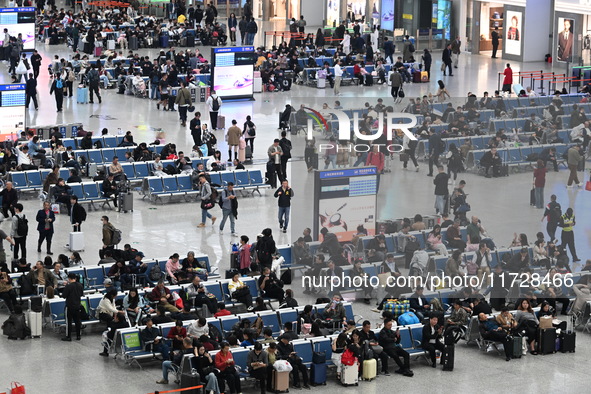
(93, 84)
(435, 149)
(553, 214)
(508, 79)
(574, 157)
(242, 28)
(183, 100)
(539, 183)
(338, 77)
(284, 195)
(57, 89)
(31, 92)
(389, 49)
(22, 70)
(456, 46)
(214, 102)
(396, 82)
(274, 153)
(72, 293)
(195, 127)
(45, 218)
(229, 208)
(249, 132)
(36, 60)
(233, 136)
(446, 58)
(19, 231)
(251, 31)
(495, 41)
(77, 214)
(567, 237)
(441, 191)
(206, 194)
(232, 26)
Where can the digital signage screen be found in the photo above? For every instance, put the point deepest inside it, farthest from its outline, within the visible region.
(12, 111)
(233, 72)
(387, 15)
(19, 21)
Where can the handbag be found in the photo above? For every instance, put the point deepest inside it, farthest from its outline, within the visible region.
(404, 157)
(282, 366)
(401, 93)
(348, 358)
(191, 108)
(17, 388)
(232, 29)
(588, 186)
(207, 204)
(443, 66)
(241, 292)
(463, 208)
(318, 357)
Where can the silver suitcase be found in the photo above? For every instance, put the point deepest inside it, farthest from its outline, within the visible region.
(125, 202)
(35, 323)
(350, 374)
(76, 241)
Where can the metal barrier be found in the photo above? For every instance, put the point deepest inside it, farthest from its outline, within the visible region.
(178, 390)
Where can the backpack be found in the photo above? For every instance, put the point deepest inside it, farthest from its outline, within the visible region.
(214, 333)
(471, 268)
(441, 146)
(22, 228)
(155, 273)
(26, 285)
(214, 194)
(411, 48)
(59, 84)
(115, 237)
(251, 131)
(286, 276)
(215, 104)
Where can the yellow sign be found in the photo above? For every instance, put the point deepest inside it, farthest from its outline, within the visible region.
(407, 16)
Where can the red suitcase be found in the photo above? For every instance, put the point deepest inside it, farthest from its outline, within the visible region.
(416, 77)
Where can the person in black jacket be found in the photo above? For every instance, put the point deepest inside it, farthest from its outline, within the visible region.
(45, 218)
(492, 160)
(368, 337)
(149, 336)
(446, 57)
(270, 286)
(72, 293)
(285, 351)
(57, 88)
(31, 92)
(427, 61)
(435, 149)
(110, 188)
(77, 214)
(419, 303)
(265, 248)
(9, 199)
(284, 195)
(390, 341)
(432, 334)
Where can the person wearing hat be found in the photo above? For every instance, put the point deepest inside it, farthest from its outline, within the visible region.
(285, 351)
(108, 284)
(139, 268)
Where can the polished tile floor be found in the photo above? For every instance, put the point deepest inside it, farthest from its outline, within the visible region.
(160, 230)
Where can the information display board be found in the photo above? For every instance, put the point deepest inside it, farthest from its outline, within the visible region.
(12, 111)
(387, 15)
(19, 20)
(233, 72)
(345, 199)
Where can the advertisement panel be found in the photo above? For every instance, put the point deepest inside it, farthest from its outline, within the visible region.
(233, 71)
(444, 16)
(387, 15)
(333, 10)
(513, 35)
(565, 39)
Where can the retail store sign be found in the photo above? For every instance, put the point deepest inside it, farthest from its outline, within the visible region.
(407, 16)
(345, 125)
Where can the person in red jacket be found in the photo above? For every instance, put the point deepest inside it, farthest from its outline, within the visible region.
(225, 363)
(508, 80)
(376, 158)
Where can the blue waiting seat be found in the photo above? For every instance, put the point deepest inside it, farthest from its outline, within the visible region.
(185, 185)
(109, 141)
(95, 276)
(65, 173)
(156, 188)
(19, 181)
(93, 192)
(288, 315)
(303, 348)
(108, 155)
(406, 342)
(271, 320)
(227, 176)
(77, 191)
(323, 344)
(34, 180)
(56, 309)
(95, 156)
(256, 179)
(129, 171)
(216, 179)
(141, 170)
(228, 322)
(132, 347)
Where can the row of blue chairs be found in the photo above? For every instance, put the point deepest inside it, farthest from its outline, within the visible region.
(32, 180)
(516, 156)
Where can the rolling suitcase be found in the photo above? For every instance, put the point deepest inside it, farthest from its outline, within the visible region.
(111, 45)
(242, 155)
(221, 122)
(448, 358)
(368, 81)
(416, 77)
(190, 380)
(350, 374)
(82, 95)
(164, 41)
(76, 241)
(567, 341)
(280, 381)
(190, 41)
(35, 323)
(133, 43)
(234, 262)
(424, 76)
(98, 51)
(516, 347)
(125, 202)
(248, 153)
(504, 170)
(547, 341)
(532, 197)
(370, 369)
(318, 374)
(321, 83)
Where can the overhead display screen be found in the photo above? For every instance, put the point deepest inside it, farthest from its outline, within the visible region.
(233, 72)
(12, 111)
(19, 21)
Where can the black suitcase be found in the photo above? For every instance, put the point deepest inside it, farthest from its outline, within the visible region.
(133, 43)
(190, 380)
(248, 153)
(190, 41)
(234, 264)
(125, 202)
(567, 342)
(36, 304)
(516, 347)
(532, 197)
(504, 170)
(448, 358)
(547, 341)
(368, 80)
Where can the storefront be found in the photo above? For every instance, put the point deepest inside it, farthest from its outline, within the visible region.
(280, 9)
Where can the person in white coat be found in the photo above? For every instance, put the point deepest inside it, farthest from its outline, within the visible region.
(215, 103)
(374, 39)
(346, 43)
